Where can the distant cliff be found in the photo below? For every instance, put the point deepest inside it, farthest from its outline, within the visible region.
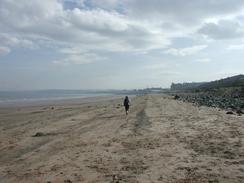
(185, 86)
(227, 93)
(234, 81)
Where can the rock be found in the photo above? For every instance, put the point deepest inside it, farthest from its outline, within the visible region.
(229, 112)
(212, 100)
(67, 181)
(115, 179)
(176, 97)
(239, 112)
(38, 134)
(232, 106)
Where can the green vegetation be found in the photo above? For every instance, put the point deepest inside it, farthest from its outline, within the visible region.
(230, 84)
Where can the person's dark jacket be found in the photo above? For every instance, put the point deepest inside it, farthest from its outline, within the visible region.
(126, 102)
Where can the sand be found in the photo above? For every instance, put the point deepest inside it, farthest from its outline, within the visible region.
(161, 140)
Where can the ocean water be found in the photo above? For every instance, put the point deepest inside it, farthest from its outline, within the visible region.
(46, 95)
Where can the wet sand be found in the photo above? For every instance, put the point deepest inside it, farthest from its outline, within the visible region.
(161, 140)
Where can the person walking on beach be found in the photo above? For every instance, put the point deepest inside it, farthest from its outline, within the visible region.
(126, 104)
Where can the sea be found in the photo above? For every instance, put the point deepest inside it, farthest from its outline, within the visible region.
(15, 97)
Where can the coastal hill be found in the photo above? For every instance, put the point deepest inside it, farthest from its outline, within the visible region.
(227, 93)
(234, 81)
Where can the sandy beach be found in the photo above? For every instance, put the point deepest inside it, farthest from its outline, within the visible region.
(161, 140)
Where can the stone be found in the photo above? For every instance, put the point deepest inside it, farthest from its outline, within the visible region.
(229, 112)
(39, 134)
(67, 181)
(176, 97)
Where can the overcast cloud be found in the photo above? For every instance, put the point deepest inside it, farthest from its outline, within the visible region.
(101, 36)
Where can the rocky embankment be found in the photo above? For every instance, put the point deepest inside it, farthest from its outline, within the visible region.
(230, 104)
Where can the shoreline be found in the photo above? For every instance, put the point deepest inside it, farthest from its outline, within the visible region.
(59, 101)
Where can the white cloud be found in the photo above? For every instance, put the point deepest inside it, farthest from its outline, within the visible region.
(105, 4)
(12, 41)
(78, 59)
(186, 51)
(72, 50)
(182, 12)
(4, 50)
(87, 31)
(203, 60)
(90, 28)
(156, 66)
(224, 29)
(8, 40)
(112, 25)
(236, 47)
(97, 20)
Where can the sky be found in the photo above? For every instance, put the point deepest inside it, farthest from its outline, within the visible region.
(118, 44)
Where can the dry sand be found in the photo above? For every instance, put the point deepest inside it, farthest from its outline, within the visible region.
(162, 140)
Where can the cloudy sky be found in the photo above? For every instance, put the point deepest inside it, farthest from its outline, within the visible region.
(101, 44)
